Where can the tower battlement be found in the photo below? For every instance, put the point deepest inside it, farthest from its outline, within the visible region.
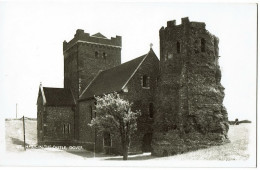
(185, 22)
(98, 38)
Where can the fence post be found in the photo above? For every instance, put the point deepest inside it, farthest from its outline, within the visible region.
(24, 134)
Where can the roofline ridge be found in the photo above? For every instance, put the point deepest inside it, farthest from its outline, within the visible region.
(123, 63)
(135, 70)
(90, 83)
(94, 35)
(73, 96)
(53, 87)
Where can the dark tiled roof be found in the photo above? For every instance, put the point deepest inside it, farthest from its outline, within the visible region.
(113, 79)
(58, 97)
(99, 35)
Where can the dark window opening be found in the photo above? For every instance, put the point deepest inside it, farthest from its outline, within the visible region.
(145, 81)
(68, 128)
(107, 139)
(104, 56)
(95, 113)
(147, 141)
(63, 128)
(91, 112)
(151, 110)
(96, 54)
(178, 47)
(203, 43)
(157, 81)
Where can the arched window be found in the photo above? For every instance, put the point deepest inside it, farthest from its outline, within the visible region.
(63, 128)
(95, 113)
(151, 110)
(68, 128)
(91, 112)
(104, 55)
(178, 47)
(96, 54)
(145, 81)
(202, 43)
(107, 139)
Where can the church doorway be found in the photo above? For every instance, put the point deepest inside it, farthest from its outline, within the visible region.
(107, 142)
(147, 140)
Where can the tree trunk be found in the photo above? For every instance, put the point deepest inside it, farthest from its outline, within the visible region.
(125, 143)
(125, 152)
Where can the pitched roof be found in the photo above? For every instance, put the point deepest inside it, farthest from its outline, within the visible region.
(113, 79)
(57, 96)
(99, 35)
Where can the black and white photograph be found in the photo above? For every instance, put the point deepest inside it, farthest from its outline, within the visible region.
(143, 84)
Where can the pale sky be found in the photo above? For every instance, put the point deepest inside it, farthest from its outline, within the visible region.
(32, 34)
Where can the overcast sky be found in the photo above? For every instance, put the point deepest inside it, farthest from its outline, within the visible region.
(32, 33)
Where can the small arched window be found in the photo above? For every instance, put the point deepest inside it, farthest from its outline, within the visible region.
(95, 113)
(151, 110)
(145, 81)
(178, 47)
(63, 128)
(96, 54)
(203, 44)
(91, 112)
(68, 128)
(104, 55)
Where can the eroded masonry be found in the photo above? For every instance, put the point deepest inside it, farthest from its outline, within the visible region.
(190, 113)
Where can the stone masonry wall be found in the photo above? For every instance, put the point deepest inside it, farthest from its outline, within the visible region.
(141, 97)
(81, 64)
(190, 114)
(54, 119)
(87, 135)
(89, 64)
(71, 79)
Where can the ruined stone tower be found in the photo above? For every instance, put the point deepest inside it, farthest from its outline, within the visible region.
(85, 55)
(190, 114)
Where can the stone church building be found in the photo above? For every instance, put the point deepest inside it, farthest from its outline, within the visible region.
(180, 95)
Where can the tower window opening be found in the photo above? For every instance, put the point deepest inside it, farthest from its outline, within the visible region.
(203, 43)
(104, 56)
(178, 47)
(151, 110)
(96, 54)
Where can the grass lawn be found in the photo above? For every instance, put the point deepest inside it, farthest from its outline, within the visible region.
(236, 150)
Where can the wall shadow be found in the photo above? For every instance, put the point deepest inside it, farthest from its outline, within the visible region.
(17, 141)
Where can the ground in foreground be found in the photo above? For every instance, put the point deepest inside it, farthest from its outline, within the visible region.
(236, 150)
